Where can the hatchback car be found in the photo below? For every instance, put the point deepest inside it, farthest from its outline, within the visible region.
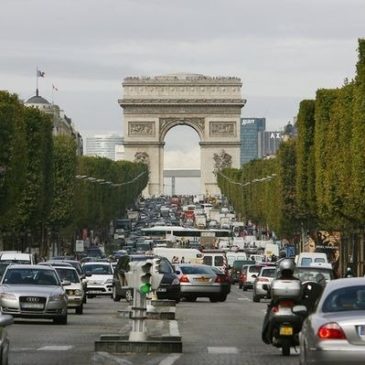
(248, 276)
(201, 281)
(33, 291)
(265, 276)
(99, 278)
(335, 333)
(75, 291)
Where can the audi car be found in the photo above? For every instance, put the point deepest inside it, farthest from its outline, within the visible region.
(33, 291)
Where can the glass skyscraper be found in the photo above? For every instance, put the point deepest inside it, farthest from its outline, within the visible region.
(103, 146)
(250, 128)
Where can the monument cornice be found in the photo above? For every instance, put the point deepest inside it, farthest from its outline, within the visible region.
(181, 102)
(143, 143)
(221, 143)
(148, 110)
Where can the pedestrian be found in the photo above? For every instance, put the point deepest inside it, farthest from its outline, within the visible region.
(182, 260)
(175, 260)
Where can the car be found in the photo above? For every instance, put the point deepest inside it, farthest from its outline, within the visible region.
(33, 291)
(236, 269)
(225, 279)
(169, 287)
(248, 275)
(75, 291)
(335, 332)
(5, 320)
(314, 273)
(199, 280)
(99, 278)
(265, 276)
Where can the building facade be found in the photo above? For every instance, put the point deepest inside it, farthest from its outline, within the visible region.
(108, 146)
(250, 129)
(62, 124)
(268, 143)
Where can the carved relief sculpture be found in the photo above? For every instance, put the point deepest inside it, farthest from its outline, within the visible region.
(222, 161)
(141, 129)
(142, 157)
(222, 129)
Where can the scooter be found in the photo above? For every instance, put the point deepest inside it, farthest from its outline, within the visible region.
(286, 317)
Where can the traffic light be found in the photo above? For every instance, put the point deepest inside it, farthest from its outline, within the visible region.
(144, 276)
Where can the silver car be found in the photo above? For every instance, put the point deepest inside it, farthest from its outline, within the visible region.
(201, 281)
(33, 291)
(335, 333)
(265, 276)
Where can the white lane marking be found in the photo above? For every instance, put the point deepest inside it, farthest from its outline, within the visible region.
(100, 357)
(55, 348)
(244, 298)
(21, 349)
(174, 328)
(169, 360)
(223, 350)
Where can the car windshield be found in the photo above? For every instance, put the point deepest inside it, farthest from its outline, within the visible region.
(350, 298)
(195, 270)
(68, 275)
(254, 269)
(31, 277)
(313, 274)
(97, 269)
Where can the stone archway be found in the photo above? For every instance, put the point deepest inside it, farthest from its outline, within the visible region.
(210, 105)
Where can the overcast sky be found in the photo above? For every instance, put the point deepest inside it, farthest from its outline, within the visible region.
(283, 50)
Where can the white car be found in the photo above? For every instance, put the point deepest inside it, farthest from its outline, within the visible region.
(99, 278)
(74, 291)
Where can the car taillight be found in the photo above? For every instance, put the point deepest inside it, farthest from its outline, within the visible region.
(275, 309)
(263, 280)
(220, 279)
(331, 331)
(184, 279)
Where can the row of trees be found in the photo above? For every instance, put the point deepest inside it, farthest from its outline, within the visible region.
(40, 197)
(319, 177)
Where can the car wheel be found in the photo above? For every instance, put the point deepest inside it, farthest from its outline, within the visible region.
(240, 286)
(213, 299)
(115, 296)
(177, 300)
(191, 299)
(4, 359)
(91, 296)
(256, 298)
(60, 320)
(84, 299)
(222, 298)
(80, 309)
(244, 287)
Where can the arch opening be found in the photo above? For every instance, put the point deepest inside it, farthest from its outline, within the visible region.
(182, 152)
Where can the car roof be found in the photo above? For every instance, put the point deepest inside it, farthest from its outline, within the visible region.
(346, 282)
(96, 262)
(29, 266)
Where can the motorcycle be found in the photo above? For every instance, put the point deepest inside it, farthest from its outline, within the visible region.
(286, 313)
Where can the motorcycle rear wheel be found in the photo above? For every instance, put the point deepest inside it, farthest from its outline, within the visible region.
(285, 347)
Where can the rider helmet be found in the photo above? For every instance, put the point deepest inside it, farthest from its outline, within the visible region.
(286, 267)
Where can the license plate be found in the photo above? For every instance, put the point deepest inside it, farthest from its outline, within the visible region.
(361, 331)
(286, 331)
(32, 306)
(94, 291)
(204, 280)
(162, 290)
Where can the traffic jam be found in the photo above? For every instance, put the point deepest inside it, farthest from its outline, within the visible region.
(204, 254)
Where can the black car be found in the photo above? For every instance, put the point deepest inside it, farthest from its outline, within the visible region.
(169, 287)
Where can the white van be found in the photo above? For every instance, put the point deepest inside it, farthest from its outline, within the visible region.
(235, 256)
(310, 258)
(217, 259)
(189, 255)
(17, 257)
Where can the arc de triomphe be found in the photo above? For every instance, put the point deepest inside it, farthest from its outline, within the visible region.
(154, 105)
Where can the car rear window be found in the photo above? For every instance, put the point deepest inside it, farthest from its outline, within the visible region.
(350, 298)
(208, 260)
(195, 270)
(254, 269)
(269, 273)
(218, 261)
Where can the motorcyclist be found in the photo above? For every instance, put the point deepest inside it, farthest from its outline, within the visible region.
(286, 272)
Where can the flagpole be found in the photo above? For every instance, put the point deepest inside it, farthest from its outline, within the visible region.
(36, 76)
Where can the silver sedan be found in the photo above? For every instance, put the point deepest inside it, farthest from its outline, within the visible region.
(201, 281)
(335, 333)
(33, 291)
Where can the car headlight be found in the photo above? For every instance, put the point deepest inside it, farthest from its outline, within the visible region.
(109, 281)
(176, 281)
(56, 298)
(8, 296)
(78, 292)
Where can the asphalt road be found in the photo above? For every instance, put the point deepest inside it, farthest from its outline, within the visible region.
(213, 333)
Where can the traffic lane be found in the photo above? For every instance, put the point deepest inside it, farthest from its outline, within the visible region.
(226, 333)
(41, 342)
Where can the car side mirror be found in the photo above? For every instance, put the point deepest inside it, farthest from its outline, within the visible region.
(82, 277)
(254, 276)
(88, 273)
(66, 283)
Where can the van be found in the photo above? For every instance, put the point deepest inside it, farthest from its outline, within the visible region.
(234, 256)
(309, 258)
(217, 259)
